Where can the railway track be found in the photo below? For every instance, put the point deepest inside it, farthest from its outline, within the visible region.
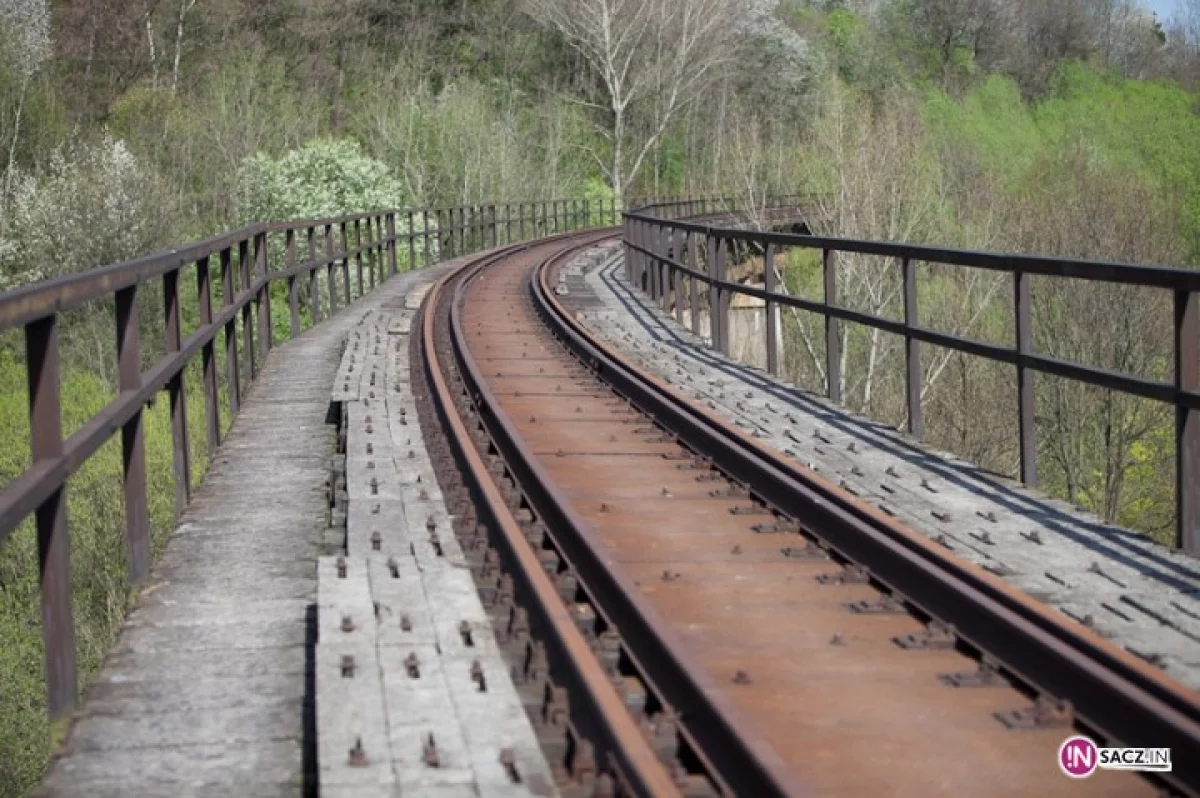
(686, 613)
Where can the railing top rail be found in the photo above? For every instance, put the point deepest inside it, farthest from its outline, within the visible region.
(1101, 271)
(46, 297)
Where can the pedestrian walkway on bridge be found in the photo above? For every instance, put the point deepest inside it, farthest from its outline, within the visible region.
(216, 686)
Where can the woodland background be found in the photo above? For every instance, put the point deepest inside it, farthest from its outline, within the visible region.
(1067, 127)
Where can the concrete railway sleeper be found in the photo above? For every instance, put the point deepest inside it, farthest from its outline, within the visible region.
(685, 612)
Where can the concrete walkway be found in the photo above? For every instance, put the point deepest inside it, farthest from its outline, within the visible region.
(209, 691)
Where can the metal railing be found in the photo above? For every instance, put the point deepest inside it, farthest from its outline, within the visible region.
(662, 251)
(239, 261)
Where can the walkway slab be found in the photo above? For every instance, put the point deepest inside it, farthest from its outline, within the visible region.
(209, 690)
(402, 579)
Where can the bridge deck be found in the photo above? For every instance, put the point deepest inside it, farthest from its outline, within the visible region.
(210, 688)
(1131, 590)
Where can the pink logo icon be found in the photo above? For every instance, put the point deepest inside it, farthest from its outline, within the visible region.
(1078, 757)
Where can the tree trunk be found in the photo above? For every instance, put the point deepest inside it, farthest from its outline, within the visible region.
(339, 111)
(12, 148)
(153, 53)
(184, 7)
(618, 178)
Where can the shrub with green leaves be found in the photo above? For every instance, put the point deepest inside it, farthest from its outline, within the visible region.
(92, 205)
(325, 177)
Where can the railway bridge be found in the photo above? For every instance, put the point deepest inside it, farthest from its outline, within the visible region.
(494, 504)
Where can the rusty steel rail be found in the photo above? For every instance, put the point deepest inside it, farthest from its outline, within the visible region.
(662, 251)
(316, 287)
(1088, 678)
(597, 713)
(742, 764)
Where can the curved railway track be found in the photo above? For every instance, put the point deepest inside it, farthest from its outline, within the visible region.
(686, 612)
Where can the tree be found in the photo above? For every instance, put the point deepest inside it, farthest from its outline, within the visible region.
(1053, 31)
(651, 57)
(27, 47)
(184, 7)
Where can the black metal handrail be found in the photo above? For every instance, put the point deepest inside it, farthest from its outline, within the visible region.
(657, 245)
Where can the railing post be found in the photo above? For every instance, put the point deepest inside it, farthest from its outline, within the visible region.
(1026, 398)
(330, 266)
(377, 256)
(693, 283)
(175, 389)
(668, 274)
(412, 242)
(1187, 422)
(233, 372)
(379, 248)
(679, 303)
(369, 252)
(54, 559)
(664, 270)
(263, 297)
(658, 278)
(208, 360)
(521, 219)
(345, 229)
(772, 312)
(292, 282)
(441, 235)
(391, 244)
(652, 265)
(646, 262)
(639, 258)
(723, 252)
(428, 253)
(714, 296)
(912, 350)
(507, 223)
(314, 283)
(247, 326)
(358, 255)
(133, 440)
(833, 333)
(625, 245)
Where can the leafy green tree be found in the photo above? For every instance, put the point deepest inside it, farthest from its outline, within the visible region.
(325, 177)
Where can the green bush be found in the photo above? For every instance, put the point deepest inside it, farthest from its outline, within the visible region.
(93, 204)
(325, 177)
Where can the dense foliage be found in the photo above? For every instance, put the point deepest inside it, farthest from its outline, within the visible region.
(1059, 126)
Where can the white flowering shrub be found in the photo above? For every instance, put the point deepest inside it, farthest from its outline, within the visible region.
(324, 178)
(92, 205)
(26, 41)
